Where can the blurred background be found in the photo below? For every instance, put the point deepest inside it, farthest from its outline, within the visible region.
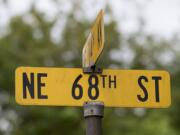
(139, 34)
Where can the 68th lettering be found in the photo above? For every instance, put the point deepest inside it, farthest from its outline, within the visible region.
(92, 86)
(93, 82)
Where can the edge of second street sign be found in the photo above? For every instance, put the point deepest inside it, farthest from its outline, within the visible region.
(95, 42)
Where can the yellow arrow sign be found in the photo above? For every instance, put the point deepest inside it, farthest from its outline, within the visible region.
(95, 42)
(71, 87)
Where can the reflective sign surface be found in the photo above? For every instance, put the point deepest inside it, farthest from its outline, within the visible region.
(71, 87)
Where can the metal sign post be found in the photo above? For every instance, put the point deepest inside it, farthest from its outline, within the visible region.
(93, 111)
(93, 114)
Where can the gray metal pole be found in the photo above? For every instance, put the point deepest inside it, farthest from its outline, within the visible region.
(93, 114)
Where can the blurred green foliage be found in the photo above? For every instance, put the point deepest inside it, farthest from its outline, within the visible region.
(30, 43)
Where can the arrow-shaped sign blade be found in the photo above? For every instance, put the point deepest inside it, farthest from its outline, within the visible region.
(95, 42)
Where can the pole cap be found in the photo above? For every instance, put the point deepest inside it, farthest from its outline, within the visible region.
(93, 109)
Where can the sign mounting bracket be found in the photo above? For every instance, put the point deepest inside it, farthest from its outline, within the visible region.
(92, 69)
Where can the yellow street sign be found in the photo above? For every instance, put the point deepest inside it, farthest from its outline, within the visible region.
(95, 42)
(70, 87)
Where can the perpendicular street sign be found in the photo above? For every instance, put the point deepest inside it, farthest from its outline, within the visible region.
(71, 87)
(95, 42)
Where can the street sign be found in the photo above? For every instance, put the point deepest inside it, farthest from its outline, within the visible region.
(95, 43)
(71, 87)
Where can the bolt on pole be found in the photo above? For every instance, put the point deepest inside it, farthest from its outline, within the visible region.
(93, 114)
